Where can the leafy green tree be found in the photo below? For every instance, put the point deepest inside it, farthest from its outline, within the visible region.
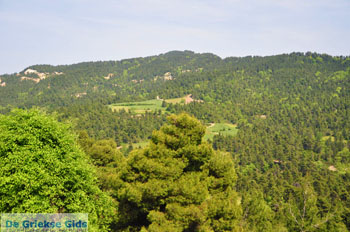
(43, 170)
(178, 183)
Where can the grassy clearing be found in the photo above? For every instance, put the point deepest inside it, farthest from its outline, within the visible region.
(179, 100)
(139, 107)
(220, 128)
(146, 106)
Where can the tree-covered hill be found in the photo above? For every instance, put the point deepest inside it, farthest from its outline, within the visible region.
(232, 89)
(173, 74)
(111, 80)
(292, 111)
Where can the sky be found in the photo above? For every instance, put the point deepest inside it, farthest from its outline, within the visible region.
(72, 31)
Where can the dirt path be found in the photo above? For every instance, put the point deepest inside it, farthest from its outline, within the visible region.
(188, 99)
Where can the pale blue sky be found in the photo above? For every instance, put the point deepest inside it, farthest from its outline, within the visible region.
(72, 31)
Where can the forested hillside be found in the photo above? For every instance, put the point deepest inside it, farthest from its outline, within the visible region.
(290, 147)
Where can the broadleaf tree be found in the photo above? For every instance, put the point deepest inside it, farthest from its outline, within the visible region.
(43, 170)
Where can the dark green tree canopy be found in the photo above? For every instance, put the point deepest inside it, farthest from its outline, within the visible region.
(178, 183)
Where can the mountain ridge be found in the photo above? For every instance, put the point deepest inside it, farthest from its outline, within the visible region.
(145, 78)
(60, 66)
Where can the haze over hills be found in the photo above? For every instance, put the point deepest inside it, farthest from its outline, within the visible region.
(284, 120)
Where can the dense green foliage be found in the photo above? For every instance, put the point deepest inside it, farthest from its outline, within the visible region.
(42, 170)
(102, 123)
(291, 150)
(178, 183)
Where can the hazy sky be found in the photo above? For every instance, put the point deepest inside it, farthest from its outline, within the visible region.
(71, 31)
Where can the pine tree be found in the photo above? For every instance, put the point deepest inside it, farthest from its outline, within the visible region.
(178, 183)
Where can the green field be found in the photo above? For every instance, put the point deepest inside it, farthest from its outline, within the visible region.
(179, 100)
(139, 107)
(144, 106)
(220, 128)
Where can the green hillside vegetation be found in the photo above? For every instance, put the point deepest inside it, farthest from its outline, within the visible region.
(125, 148)
(178, 183)
(287, 130)
(146, 106)
(43, 170)
(224, 129)
(178, 100)
(139, 107)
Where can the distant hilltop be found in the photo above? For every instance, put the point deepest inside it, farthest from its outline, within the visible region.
(170, 75)
(179, 55)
